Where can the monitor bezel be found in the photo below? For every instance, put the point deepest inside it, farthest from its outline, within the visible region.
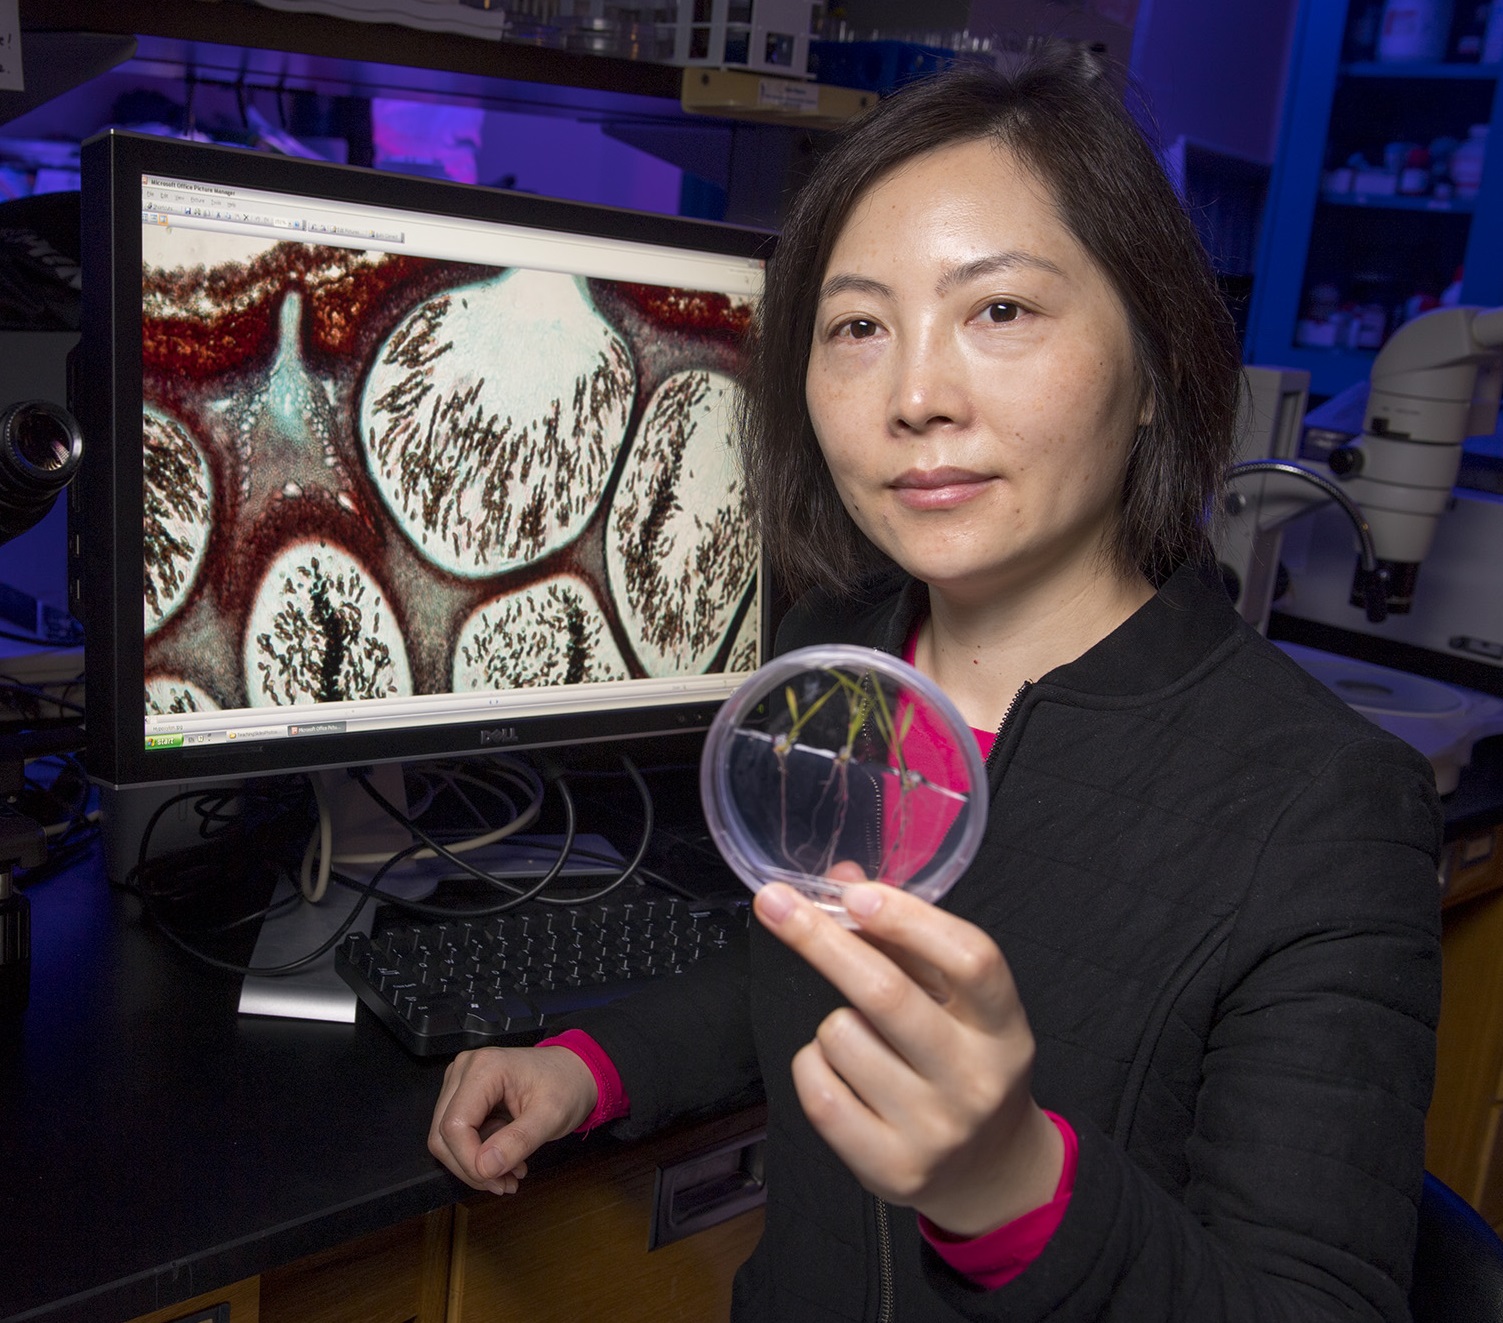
(105, 500)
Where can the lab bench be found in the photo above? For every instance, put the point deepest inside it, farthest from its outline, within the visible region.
(162, 1156)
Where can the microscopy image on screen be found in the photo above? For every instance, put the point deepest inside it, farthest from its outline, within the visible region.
(552, 632)
(370, 475)
(318, 634)
(680, 568)
(175, 522)
(166, 695)
(494, 416)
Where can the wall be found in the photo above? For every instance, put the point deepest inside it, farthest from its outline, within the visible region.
(1107, 24)
(575, 159)
(864, 16)
(1215, 72)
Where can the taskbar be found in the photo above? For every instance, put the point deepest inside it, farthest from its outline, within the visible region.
(228, 727)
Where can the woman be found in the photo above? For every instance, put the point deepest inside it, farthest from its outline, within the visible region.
(991, 400)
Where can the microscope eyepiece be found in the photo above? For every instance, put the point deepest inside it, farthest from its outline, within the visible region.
(40, 450)
(40, 445)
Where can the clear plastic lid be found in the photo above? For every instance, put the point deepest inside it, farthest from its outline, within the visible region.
(842, 753)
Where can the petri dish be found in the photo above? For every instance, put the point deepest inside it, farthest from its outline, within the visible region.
(841, 753)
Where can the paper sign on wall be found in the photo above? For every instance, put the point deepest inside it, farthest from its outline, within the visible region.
(11, 77)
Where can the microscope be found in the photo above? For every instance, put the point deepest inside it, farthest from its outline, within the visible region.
(40, 450)
(1434, 383)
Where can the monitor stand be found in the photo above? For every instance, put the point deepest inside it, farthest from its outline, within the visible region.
(316, 992)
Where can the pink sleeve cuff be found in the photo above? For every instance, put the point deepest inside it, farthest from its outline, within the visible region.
(994, 1259)
(611, 1102)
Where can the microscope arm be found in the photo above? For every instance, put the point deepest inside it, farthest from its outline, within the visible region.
(1281, 502)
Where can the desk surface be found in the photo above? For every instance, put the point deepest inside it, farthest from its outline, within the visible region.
(156, 1144)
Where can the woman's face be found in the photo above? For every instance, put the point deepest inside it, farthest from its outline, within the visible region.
(971, 379)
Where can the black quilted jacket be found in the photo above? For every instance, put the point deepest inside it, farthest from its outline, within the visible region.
(1216, 889)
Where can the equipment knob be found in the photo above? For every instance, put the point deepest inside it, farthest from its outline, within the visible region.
(1345, 461)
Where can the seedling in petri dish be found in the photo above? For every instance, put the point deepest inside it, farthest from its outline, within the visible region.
(809, 765)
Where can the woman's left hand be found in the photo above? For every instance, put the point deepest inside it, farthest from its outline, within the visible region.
(922, 1084)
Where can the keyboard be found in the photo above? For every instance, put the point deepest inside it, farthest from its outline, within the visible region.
(445, 985)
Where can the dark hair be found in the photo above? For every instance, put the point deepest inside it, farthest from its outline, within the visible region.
(1065, 122)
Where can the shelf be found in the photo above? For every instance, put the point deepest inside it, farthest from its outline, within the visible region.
(1398, 202)
(239, 43)
(1419, 69)
(252, 44)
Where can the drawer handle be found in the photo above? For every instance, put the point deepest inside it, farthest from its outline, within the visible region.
(707, 1188)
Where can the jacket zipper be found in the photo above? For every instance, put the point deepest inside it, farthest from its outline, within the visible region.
(1007, 717)
(885, 1307)
(884, 1265)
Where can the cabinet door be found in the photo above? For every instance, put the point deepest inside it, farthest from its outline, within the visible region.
(573, 1245)
(1377, 210)
(237, 1303)
(396, 1275)
(1461, 1130)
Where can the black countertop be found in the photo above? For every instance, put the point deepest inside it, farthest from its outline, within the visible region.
(157, 1144)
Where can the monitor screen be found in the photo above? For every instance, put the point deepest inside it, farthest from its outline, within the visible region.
(380, 468)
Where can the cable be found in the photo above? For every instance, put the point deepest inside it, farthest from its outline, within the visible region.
(137, 873)
(565, 853)
(213, 815)
(321, 843)
(213, 822)
(292, 966)
(647, 875)
(636, 859)
(210, 809)
(38, 694)
(453, 912)
(522, 774)
(1375, 574)
(435, 850)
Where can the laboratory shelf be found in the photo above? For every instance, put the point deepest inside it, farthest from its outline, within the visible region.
(1333, 259)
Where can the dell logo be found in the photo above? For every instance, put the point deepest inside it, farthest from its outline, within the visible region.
(498, 735)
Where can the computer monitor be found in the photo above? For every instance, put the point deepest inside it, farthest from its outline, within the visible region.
(380, 468)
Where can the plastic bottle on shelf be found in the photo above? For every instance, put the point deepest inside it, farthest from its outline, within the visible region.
(1414, 177)
(1369, 326)
(1440, 166)
(1467, 161)
(1321, 325)
(1421, 301)
(1414, 30)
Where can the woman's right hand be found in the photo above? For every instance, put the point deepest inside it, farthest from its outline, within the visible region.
(498, 1104)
